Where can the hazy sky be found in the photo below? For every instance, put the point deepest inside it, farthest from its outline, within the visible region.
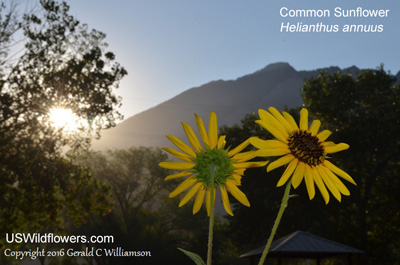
(169, 46)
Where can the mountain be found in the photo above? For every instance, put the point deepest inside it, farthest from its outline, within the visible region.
(275, 85)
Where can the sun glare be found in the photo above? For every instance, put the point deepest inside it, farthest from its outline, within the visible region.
(63, 118)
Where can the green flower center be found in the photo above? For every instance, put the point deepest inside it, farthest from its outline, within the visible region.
(213, 160)
(306, 147)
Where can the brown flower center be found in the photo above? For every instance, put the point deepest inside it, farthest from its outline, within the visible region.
(306, 147)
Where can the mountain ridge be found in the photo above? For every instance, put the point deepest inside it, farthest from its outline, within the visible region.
(277, 84)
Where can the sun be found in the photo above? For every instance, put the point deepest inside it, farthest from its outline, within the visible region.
(63, 118)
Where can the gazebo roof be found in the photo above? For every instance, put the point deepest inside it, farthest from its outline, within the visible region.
(304, 245)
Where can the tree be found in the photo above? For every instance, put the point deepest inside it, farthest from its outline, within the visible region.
(140, 218)
(363, 108)
(9, 25)
(135, 178)
(63, 64)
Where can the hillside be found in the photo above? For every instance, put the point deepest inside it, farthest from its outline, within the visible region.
(275, 85)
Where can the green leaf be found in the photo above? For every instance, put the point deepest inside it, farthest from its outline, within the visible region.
(196, 258)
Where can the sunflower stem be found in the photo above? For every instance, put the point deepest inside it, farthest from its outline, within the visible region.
(277, 221)
(213, 170)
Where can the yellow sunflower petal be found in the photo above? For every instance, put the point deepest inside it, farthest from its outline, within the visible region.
(272, 152)
(274, 131)
(269, 118)
(208, 200)
(202, 130)
(321, 186)
(183, 186)
(329, 184)
(237, 193)
(199, 200)
(290, 120)
(177, 154)
(181, 145)
(308, 177)
(178, 175)
(282, 119)
(239, 148)
(262, 144)
(221, 142)
(304, 119)
(338, 171)
(192, 137)
(336, 181)
(288, 172)
(280, 162)
(257, 142)
(176, 165)
(336, 148)
(238, 179)
(245, 156)
(298, 174)
(225, 200)
(250, 164)
(190, 194)
(328, 143)
(213, 130)
(322, 136)
(315, 127)
(239, 171)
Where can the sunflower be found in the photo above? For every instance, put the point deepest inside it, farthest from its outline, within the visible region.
(304, 151)
(204, 163)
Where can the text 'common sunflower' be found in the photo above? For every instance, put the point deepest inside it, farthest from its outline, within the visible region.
(227, 166)
(304, 151)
